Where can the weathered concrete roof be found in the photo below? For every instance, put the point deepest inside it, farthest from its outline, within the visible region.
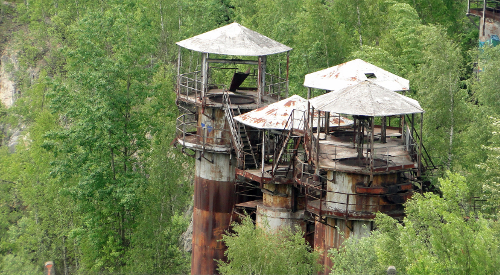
(351, 73)
(366, 99)
(233, 39)
(277, 115)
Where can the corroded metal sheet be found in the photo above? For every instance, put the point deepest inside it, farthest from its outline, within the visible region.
(212, 127)
(234, 39)
(348, 194)
(332, 234)
(353, 72)
(281, 114)
(366, 99)
(215, 196)
(325, 238)
(279, 195)
(214, 199)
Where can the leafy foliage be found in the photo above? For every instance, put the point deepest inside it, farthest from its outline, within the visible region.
(95, 186)
(439, 236)
(255, 250)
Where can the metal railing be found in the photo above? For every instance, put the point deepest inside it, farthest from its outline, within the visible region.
(277, 87)
(187, 131)
(480, 4)
(190, 84)
(346, 204)
(285, 152)
(235, 134)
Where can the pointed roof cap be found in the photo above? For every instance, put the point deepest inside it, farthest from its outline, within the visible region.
(353, 72)
(277, 115)
(366, 99)
(233, 39)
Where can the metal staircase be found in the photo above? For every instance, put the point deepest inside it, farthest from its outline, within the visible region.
(250, 162)
(235, 135)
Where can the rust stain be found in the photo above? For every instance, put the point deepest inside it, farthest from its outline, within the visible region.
(289, 103)
(271, 111)
(271, 200)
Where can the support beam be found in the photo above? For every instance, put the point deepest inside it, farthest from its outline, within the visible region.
(233, 61)
(383, 130)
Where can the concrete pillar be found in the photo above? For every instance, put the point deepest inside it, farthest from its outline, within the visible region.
(276, 211)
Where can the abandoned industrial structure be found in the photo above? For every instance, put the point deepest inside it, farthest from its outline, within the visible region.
(489, 24)
(326, 164)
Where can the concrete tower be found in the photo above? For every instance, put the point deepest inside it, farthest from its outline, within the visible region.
(207, 128)
(374, 165)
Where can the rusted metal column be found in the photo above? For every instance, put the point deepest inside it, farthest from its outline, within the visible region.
(324, 240)
(214, 194)
(332, 232)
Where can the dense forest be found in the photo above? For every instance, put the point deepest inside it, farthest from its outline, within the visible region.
(95, 186)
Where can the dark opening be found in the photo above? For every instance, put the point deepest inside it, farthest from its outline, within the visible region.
(234, 99)
(370, 75)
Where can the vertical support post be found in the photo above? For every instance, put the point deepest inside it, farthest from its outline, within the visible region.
(263, 64)
(419, 171)
(183, 131)
(383, 130)
(412, 129)
(403, 130)
(263, 152)
(287, 71)
(355, 127)
(260, 88)
(311, 124)
(327, 123)
(484, 16)
(318, 130)
(372, 124)
(401, 125)
(318, 127)
(321, 197)
(204, 75)
(346, 215)
(179, 71)
(308, 93)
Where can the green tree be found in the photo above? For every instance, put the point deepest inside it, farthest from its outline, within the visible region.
(104, 140)
(437, 83)
(439, 235)
(254, 250)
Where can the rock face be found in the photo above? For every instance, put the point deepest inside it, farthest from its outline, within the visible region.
(7, 86)
(186, 239)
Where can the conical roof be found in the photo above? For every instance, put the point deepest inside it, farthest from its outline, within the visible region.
(366, 99)
(277, 115)
(233, 39)
(351, 73)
